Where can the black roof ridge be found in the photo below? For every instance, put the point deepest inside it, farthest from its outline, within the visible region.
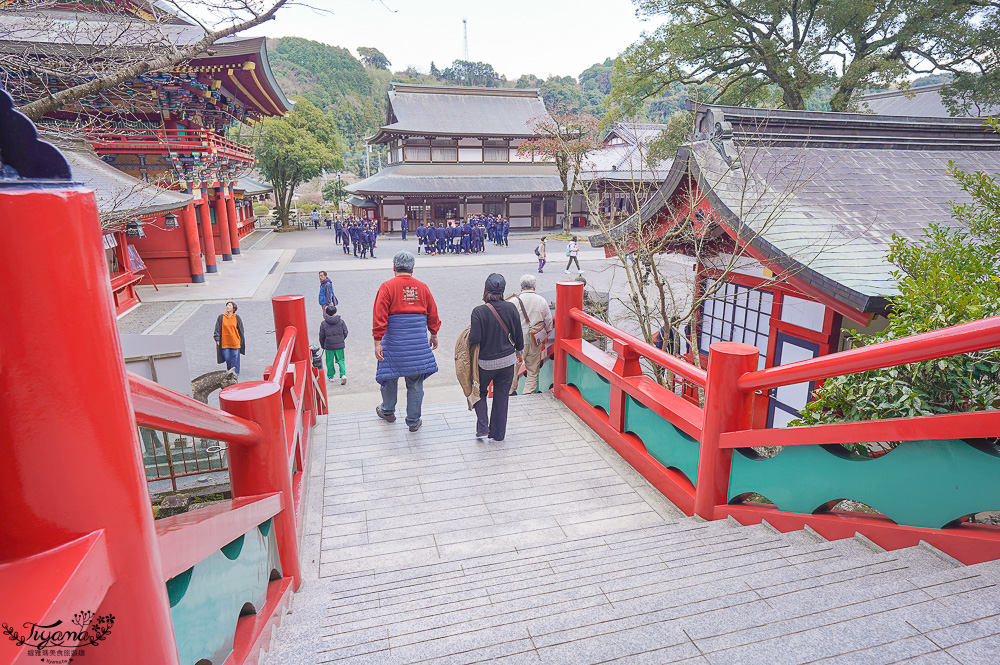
(429, 89)
(896, 93)
(840, 117)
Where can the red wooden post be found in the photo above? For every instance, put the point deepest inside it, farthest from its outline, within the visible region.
(189, 222)
(205, 218)
(627, 364)
(265, 467)
(727, 409)
(569, 295)
(68, 439)
(234, 223)
(222, 220)
(291, 311)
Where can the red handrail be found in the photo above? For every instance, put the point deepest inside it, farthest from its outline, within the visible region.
(163, 409)
(284, 356)
(963, 338)
(674, 364)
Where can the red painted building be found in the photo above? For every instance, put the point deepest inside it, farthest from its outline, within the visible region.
(800, 208)
(187, 130)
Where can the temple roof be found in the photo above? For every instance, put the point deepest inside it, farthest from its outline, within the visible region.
(426, 110)
(461, 179)
(241, 64)
(624, 156)
(119, 196)
(252, 187)
(924, 101)
(826, 211)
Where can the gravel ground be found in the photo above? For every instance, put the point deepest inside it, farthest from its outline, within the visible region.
(143, 316)
(456, 290)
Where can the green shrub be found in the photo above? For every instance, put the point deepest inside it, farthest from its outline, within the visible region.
(951, 277)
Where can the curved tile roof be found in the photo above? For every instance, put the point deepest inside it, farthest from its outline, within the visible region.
(457, 111)
(461, 179)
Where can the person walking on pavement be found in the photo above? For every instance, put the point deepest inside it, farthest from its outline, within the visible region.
(230, 340)
(402, 228)
(403, 314)
(540, 253)
(315, 219)
(536, 324)
(572, 249)
(332, 333)
(496, 328)
(326, 295)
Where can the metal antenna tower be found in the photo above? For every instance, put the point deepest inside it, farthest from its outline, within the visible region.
(465, 39)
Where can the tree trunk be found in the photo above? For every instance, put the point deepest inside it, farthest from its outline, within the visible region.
(567, 211)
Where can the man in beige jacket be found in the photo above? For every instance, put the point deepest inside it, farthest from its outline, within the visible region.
(535, 316)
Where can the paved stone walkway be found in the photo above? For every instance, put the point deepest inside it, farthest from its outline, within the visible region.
(432, 547)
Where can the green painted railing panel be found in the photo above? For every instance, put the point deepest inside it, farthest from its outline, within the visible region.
(206, 606)
(596, 390)
(920, 483)
(665, 443)
(546, 376)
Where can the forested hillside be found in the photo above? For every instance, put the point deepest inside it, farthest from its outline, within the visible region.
(353, 92)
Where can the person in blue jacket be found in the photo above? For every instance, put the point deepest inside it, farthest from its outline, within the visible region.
(441, 235)
(402, 227)
(466, 232)
(345, 237)
(505, 230)
(355, 238)
(421, 236)
(430, 243)
(337, 228)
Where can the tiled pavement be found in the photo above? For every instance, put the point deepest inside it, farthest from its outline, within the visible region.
(431, 547)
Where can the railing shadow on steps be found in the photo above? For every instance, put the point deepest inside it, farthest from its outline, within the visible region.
(701, 458)
(78, 538)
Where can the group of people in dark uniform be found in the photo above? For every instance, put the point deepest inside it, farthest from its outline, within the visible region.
(453, 237)
(359, 233)
(461, 237)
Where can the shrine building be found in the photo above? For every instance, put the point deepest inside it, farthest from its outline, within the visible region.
(452, 152)
(187, 130)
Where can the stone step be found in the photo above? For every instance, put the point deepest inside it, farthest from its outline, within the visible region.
(561, 571)
(579, 597)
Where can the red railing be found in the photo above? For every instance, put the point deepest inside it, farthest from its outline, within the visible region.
(724, 425)
(163, 140)
(79, 548)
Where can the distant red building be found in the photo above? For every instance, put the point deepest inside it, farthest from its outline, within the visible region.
(180, 130)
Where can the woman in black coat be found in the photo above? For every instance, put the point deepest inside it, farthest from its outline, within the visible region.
(496, 328)
(230, 340)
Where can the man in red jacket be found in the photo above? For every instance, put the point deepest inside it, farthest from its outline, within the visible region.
(403, 314)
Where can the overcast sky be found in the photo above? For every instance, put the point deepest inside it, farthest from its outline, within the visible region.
(540, 37)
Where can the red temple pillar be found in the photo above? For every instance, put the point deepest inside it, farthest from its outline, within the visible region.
(222, 219)
(72, 473)
(189, 222)
(234, 220)
(205, 217)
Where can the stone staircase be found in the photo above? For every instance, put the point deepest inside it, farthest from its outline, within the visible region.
(684, 591)
(666, 590)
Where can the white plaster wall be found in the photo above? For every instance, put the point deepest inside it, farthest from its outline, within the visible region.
(470, 155)
(520, 208)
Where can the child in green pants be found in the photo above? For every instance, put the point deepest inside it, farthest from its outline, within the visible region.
(332, 333)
